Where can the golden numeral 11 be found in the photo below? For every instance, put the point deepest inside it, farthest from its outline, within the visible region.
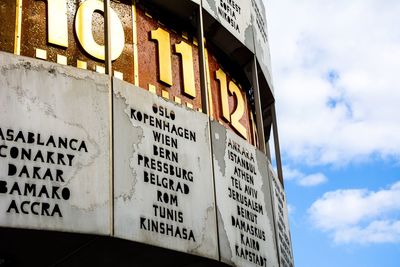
(164, 60)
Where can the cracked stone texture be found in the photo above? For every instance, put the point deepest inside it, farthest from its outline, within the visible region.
(277, 188)
(243, 20)
(262, 46)
(248, 37)
(263, 164)
(229, 235)
(51, 99)
(135, 198)
(219, 146)
(224, 246)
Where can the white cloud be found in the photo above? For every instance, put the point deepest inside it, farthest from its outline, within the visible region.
(376, 232)
(335, 66)
(291, 174)
(359, 215)
(291, 209)
(302, 179)
(313, 179)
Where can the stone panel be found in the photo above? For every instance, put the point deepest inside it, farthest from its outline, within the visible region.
(163, 174)
(281, 221)
(54, 147)
(235, 16)
(259, 22)
(245, 222)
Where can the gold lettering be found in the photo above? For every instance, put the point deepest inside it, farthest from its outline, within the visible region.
(239, 110)
(164, 54)
(152, 89)
(178, 100)
(221, 77)
(165, 94)
(185, 50)
(57, 22)
(81, 64)
(83, 29)
(210, 100)
(254, 127)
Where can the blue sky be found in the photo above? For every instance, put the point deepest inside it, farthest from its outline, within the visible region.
(336, 71)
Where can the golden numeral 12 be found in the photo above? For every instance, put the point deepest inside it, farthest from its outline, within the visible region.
(238, 113)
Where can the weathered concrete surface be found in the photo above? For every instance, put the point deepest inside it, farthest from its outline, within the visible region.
(245, 221)
(259, 23)
(54, 147)
(281, 220)
(149, 198)
(235, 16)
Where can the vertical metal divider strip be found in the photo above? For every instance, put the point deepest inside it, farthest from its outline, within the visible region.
(277, 147)
(204, 82)
(263, 147)
(210, 103)
(272, 193)
(268, 151)
(18, 27)
(108, 68)
(135, 46)
(257, 99)
(254, 134)
(107, 37)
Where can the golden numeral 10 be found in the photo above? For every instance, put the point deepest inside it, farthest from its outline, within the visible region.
(234, 90)
(57, 23)
(164, 58)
